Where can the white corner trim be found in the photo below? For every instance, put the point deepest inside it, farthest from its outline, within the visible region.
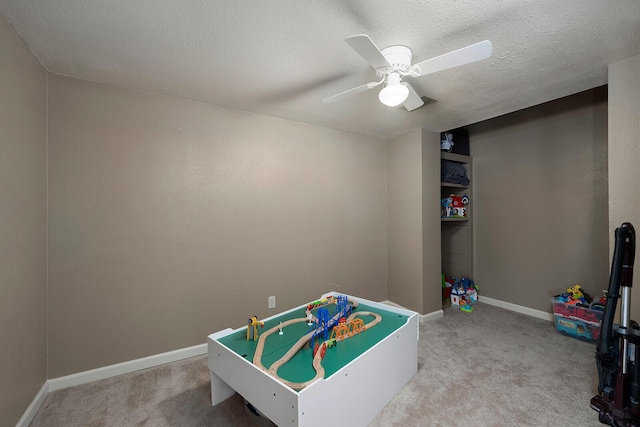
(33, 409)
(517, 308)
(125, 367)
(432, 316)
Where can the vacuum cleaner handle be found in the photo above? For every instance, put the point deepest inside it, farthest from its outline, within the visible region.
(628, 255)
(621, 271)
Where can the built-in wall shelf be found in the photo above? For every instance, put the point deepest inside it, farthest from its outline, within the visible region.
(454, 219)
(455, 157)
(452, 185)
(456, 233)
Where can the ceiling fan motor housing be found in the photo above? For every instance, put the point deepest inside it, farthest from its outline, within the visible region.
(398, 56)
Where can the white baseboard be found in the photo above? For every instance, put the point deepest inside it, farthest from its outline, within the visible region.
(126, 367)
(423, 317)
(517, 308)
(106, 372)
(32, 410)
(432, 316)
(387, 302)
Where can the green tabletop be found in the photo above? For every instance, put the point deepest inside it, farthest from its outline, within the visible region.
(300, 368)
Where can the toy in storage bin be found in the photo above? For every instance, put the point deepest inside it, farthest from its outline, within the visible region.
(573, 320)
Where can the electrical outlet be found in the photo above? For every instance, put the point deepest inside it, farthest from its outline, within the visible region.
(272, 302)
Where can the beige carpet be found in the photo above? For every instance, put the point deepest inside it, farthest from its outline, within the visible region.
(491, 367)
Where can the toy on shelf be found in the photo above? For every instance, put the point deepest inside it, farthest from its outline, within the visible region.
(454, 206)
(253, 321)
(446, 207)
(446, 144)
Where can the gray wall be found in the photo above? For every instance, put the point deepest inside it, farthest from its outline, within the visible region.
(23, 212)
(624, 155)
(413, 184)
(404, 196)
(431, 231)
(540, 200)
(171, 219)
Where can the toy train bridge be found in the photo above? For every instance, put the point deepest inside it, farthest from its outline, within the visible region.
(324, 323)
(348, 329)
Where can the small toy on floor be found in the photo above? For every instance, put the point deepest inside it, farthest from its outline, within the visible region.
(464, 292)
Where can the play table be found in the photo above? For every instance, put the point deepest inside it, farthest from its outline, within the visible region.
(358, 375)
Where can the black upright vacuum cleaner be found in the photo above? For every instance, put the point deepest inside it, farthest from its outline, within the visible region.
(618, 350)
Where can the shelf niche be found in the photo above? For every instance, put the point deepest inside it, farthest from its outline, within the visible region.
(457, 233)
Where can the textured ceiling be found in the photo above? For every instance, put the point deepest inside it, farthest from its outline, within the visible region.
(282, 57)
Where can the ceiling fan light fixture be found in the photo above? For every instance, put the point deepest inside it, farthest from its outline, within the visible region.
(394, 93)
(395, 62)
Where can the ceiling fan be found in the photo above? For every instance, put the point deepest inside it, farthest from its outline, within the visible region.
(393, 63)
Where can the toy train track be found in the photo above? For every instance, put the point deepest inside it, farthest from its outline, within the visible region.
(317, 359)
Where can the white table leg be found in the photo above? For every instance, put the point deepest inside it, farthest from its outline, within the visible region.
(220, 390)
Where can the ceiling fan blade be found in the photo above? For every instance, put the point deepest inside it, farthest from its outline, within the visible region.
(348, 93)
(465, 55)
(413, 101)
(362, 44)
